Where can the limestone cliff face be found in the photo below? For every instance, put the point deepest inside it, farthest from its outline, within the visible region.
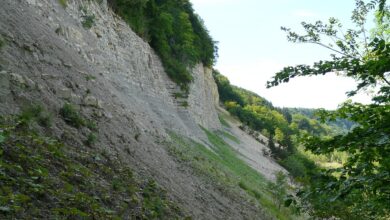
(203, 98)
(107, 64)
(115, 79)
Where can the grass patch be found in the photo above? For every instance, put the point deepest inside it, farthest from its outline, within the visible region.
(35, 114)
(222, 165)
(71, 116)
(229, 136)
(184, 104)
(91, 125)
(88, 21)
(90, 77)
(177, 95)
(223, 121)
(91, 139)
(43, 179)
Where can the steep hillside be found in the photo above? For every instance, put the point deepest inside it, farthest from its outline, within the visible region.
(73, 74)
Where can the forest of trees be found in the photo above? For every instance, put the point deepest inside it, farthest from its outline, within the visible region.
(175, 32)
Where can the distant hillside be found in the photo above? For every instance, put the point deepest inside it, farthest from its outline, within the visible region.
(283, 127)
(338, 126)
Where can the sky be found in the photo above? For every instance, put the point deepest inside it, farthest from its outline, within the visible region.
(252, 48)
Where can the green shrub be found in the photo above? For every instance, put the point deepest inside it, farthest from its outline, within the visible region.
(184, 104)
(179, 95)
(279, 188)
(91, 125)
(90, 77)
(88, 21)
(35, 113)
(91, 139)
(71, 116)
(298, 165)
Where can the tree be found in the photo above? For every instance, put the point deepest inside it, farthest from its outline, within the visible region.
(279, 188)
(271, 145)
(279, 136)
(362, 185)
(286, 115)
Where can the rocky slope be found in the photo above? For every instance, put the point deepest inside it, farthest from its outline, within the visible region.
(114, 78)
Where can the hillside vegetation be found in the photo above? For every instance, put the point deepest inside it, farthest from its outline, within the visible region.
(283, 127)
(43, 178)
(172, 28)
(222, 165)
(109, 144)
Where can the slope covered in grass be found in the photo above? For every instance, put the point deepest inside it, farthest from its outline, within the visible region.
(221, 164)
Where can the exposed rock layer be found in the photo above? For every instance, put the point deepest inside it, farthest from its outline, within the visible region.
(116, 79)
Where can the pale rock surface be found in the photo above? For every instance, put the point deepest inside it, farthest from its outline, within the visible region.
(114, 78)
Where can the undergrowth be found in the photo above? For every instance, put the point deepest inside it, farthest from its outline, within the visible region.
(72, 116)
(41, 178)
(88, 21)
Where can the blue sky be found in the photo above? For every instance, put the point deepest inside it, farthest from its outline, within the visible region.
(252, 47)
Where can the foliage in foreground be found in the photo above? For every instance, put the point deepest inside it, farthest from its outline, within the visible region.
(359, 189)
(44, 179)
(173, 29)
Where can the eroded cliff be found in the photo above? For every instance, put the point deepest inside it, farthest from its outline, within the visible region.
(114, 78)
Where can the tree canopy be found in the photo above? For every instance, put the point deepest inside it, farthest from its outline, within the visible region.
(172, 28)
(359, 189)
